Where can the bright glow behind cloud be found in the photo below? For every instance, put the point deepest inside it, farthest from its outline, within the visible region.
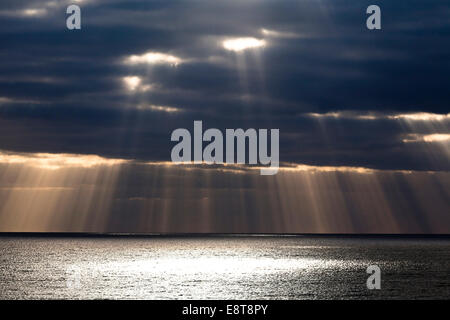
(153, 58)
(343, 115)
(54, 161)
(421, 116)
(34, 12)
(241, 44)
(279, 34)
(134, 83)
(436, 137)
(158, 108)
(353, 115)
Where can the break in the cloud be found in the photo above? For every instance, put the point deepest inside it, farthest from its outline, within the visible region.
(153, 58)
(425, 117)
(56, 161)
(437, 137)
(241, 44)
(280, 34)
(158, 108)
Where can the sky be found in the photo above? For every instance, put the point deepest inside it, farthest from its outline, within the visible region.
(86, 115)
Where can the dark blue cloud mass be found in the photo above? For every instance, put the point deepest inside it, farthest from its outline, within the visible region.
(336, 90)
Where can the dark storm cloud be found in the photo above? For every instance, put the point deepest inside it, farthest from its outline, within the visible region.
(63, 91)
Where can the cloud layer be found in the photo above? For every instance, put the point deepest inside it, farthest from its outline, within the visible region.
(363, 115)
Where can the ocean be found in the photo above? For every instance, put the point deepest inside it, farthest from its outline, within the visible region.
(222, 267)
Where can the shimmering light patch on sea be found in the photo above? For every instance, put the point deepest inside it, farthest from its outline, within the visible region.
(275, 267)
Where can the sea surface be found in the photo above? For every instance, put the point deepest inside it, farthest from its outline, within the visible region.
(228, 267)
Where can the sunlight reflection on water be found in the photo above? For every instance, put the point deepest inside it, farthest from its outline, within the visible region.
(220, 268)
